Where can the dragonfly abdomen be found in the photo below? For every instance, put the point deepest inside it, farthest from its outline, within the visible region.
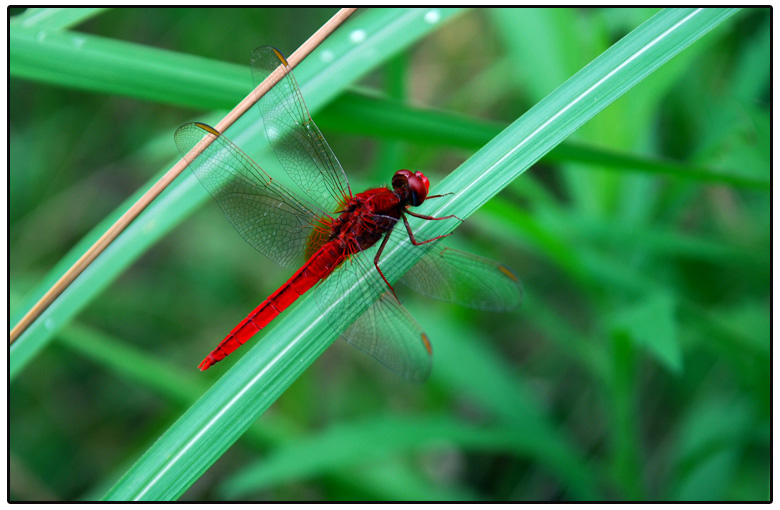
(319, 266)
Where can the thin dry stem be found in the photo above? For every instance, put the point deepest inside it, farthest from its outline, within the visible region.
(121, 224)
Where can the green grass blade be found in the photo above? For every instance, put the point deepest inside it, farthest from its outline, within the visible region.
(388, 29)
(158, 219)
(365, 114)
(393, 480)
(618, 160)
(210, 426)
(353, 444)
(469, 366)
(93, 63)
(129, 363)
(580, 98)
(185, 387)
(108, 66)
(54, 18)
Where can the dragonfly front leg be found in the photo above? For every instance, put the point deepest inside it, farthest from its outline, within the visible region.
(376, 263)
(438, 196)
(424, 217)
(411, 235)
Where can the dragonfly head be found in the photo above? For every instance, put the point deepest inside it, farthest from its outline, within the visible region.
(411, 187)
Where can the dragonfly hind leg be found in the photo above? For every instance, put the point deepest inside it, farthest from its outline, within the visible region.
(376, 264)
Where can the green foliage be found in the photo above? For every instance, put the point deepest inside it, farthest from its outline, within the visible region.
(637, 368)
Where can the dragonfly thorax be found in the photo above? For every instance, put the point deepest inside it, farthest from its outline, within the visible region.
(366, 218)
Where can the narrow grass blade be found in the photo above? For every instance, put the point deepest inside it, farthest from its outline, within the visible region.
(469, 367)
(210, 426)
(184, 388)
(54, 18)
(365, 114)
(108, 66)
(354, 444)
(138, 367)
(466, 368)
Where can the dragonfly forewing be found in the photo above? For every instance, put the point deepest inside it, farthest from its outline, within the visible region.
(297, 142)
(268, 216)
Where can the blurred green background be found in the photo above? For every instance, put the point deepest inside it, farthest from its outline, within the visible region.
(637, 368)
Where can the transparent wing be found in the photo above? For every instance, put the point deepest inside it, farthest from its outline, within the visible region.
(268, 216)
(386, 331)
(297, 142)
(466, 279)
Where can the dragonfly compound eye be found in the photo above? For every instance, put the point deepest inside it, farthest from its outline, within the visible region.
(400, 178)
(425, 181)
(418, 189)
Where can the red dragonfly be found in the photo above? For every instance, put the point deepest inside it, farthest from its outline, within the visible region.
(317, 230)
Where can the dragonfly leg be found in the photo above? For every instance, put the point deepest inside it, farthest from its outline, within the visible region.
(438, 196)
(431, 217)
(415, 241)
(376, 263)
